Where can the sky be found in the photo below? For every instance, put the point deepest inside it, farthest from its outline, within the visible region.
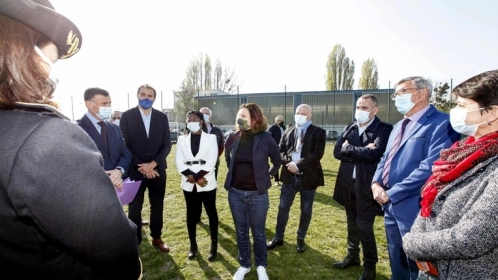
(273, 45)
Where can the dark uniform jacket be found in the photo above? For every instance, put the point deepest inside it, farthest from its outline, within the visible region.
(60, 217)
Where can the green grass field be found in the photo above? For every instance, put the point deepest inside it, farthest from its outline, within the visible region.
(326, 238)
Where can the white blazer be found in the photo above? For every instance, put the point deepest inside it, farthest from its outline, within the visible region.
(208, 151)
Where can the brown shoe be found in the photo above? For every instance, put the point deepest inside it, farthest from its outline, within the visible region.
(159, 244)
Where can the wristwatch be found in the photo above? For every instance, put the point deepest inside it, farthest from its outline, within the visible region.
(121, 169)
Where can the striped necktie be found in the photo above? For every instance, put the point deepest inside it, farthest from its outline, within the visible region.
(397, 142)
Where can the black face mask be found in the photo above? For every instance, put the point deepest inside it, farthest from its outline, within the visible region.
(242, 124)
(281, 124)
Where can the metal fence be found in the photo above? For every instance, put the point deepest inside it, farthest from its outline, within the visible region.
(332, 110)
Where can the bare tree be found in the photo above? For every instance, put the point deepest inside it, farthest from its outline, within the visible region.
(340, 71)
(207, 73)
(369, 75)
(184, 100)
(200, 76)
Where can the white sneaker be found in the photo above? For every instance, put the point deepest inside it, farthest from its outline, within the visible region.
(241, 272)
(262, 273)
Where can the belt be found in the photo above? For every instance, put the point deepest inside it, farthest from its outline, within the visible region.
(201, 162)
(297, 175)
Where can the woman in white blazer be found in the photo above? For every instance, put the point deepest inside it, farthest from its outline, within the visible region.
(196, 155)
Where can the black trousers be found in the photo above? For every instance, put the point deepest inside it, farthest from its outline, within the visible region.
(199, 214)
(194, 201)
(360, 230)
(157, 190)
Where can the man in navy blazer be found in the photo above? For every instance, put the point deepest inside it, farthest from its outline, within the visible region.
(403, 171)
(147, 136)
(116, 156)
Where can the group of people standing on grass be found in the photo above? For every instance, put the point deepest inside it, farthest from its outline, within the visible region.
(60, 217)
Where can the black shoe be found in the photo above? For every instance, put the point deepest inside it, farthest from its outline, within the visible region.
(347, 262)
(274, 243)
(368, 274)
(301, 246)
(192, 251)
(213, 251)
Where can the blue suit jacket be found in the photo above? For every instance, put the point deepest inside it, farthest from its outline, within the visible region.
(264, 147)
(117, 154)
(412, 164)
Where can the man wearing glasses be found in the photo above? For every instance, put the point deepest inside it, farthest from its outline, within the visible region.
(413, 146)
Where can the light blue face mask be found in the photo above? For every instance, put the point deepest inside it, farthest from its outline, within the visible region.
(105, 113)
(457, 120)
(404, 103)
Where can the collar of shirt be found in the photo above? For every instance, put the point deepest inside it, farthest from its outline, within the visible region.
(361, 129)
(414, 118)
(146, 120)
(94, 121)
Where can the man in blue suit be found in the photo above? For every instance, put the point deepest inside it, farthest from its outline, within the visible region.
(413, 146)
(107, 136)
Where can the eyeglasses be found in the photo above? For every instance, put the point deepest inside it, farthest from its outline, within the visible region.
(402, 92)
(116, 118)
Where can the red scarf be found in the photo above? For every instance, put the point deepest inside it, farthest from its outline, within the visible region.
(460, 157)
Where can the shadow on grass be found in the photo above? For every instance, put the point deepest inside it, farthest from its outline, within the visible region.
(156, 262)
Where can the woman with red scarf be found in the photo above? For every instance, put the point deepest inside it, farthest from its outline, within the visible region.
(456, 234)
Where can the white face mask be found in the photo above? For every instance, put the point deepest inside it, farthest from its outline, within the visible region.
(300, 119)
(51, 75)
(116, 122)
(362, 116)
(194, 126)
(104, 112)
(404, 103)
(206, 118)
(457, 120)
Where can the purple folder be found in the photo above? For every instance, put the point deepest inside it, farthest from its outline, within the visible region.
(130, 189)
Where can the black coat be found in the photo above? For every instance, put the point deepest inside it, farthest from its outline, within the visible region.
(365, 160)
(311, 154)
(276, 132)
(145, 149)
(60, 217)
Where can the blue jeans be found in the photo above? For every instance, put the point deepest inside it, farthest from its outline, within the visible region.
(287, 195)
(249, 210)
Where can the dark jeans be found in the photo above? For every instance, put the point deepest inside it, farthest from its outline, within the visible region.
(249, 210)
(157, 190)
(194, 201)
(287, 194)
(360, 229)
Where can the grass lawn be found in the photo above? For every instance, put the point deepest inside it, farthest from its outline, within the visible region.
(326, 238)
